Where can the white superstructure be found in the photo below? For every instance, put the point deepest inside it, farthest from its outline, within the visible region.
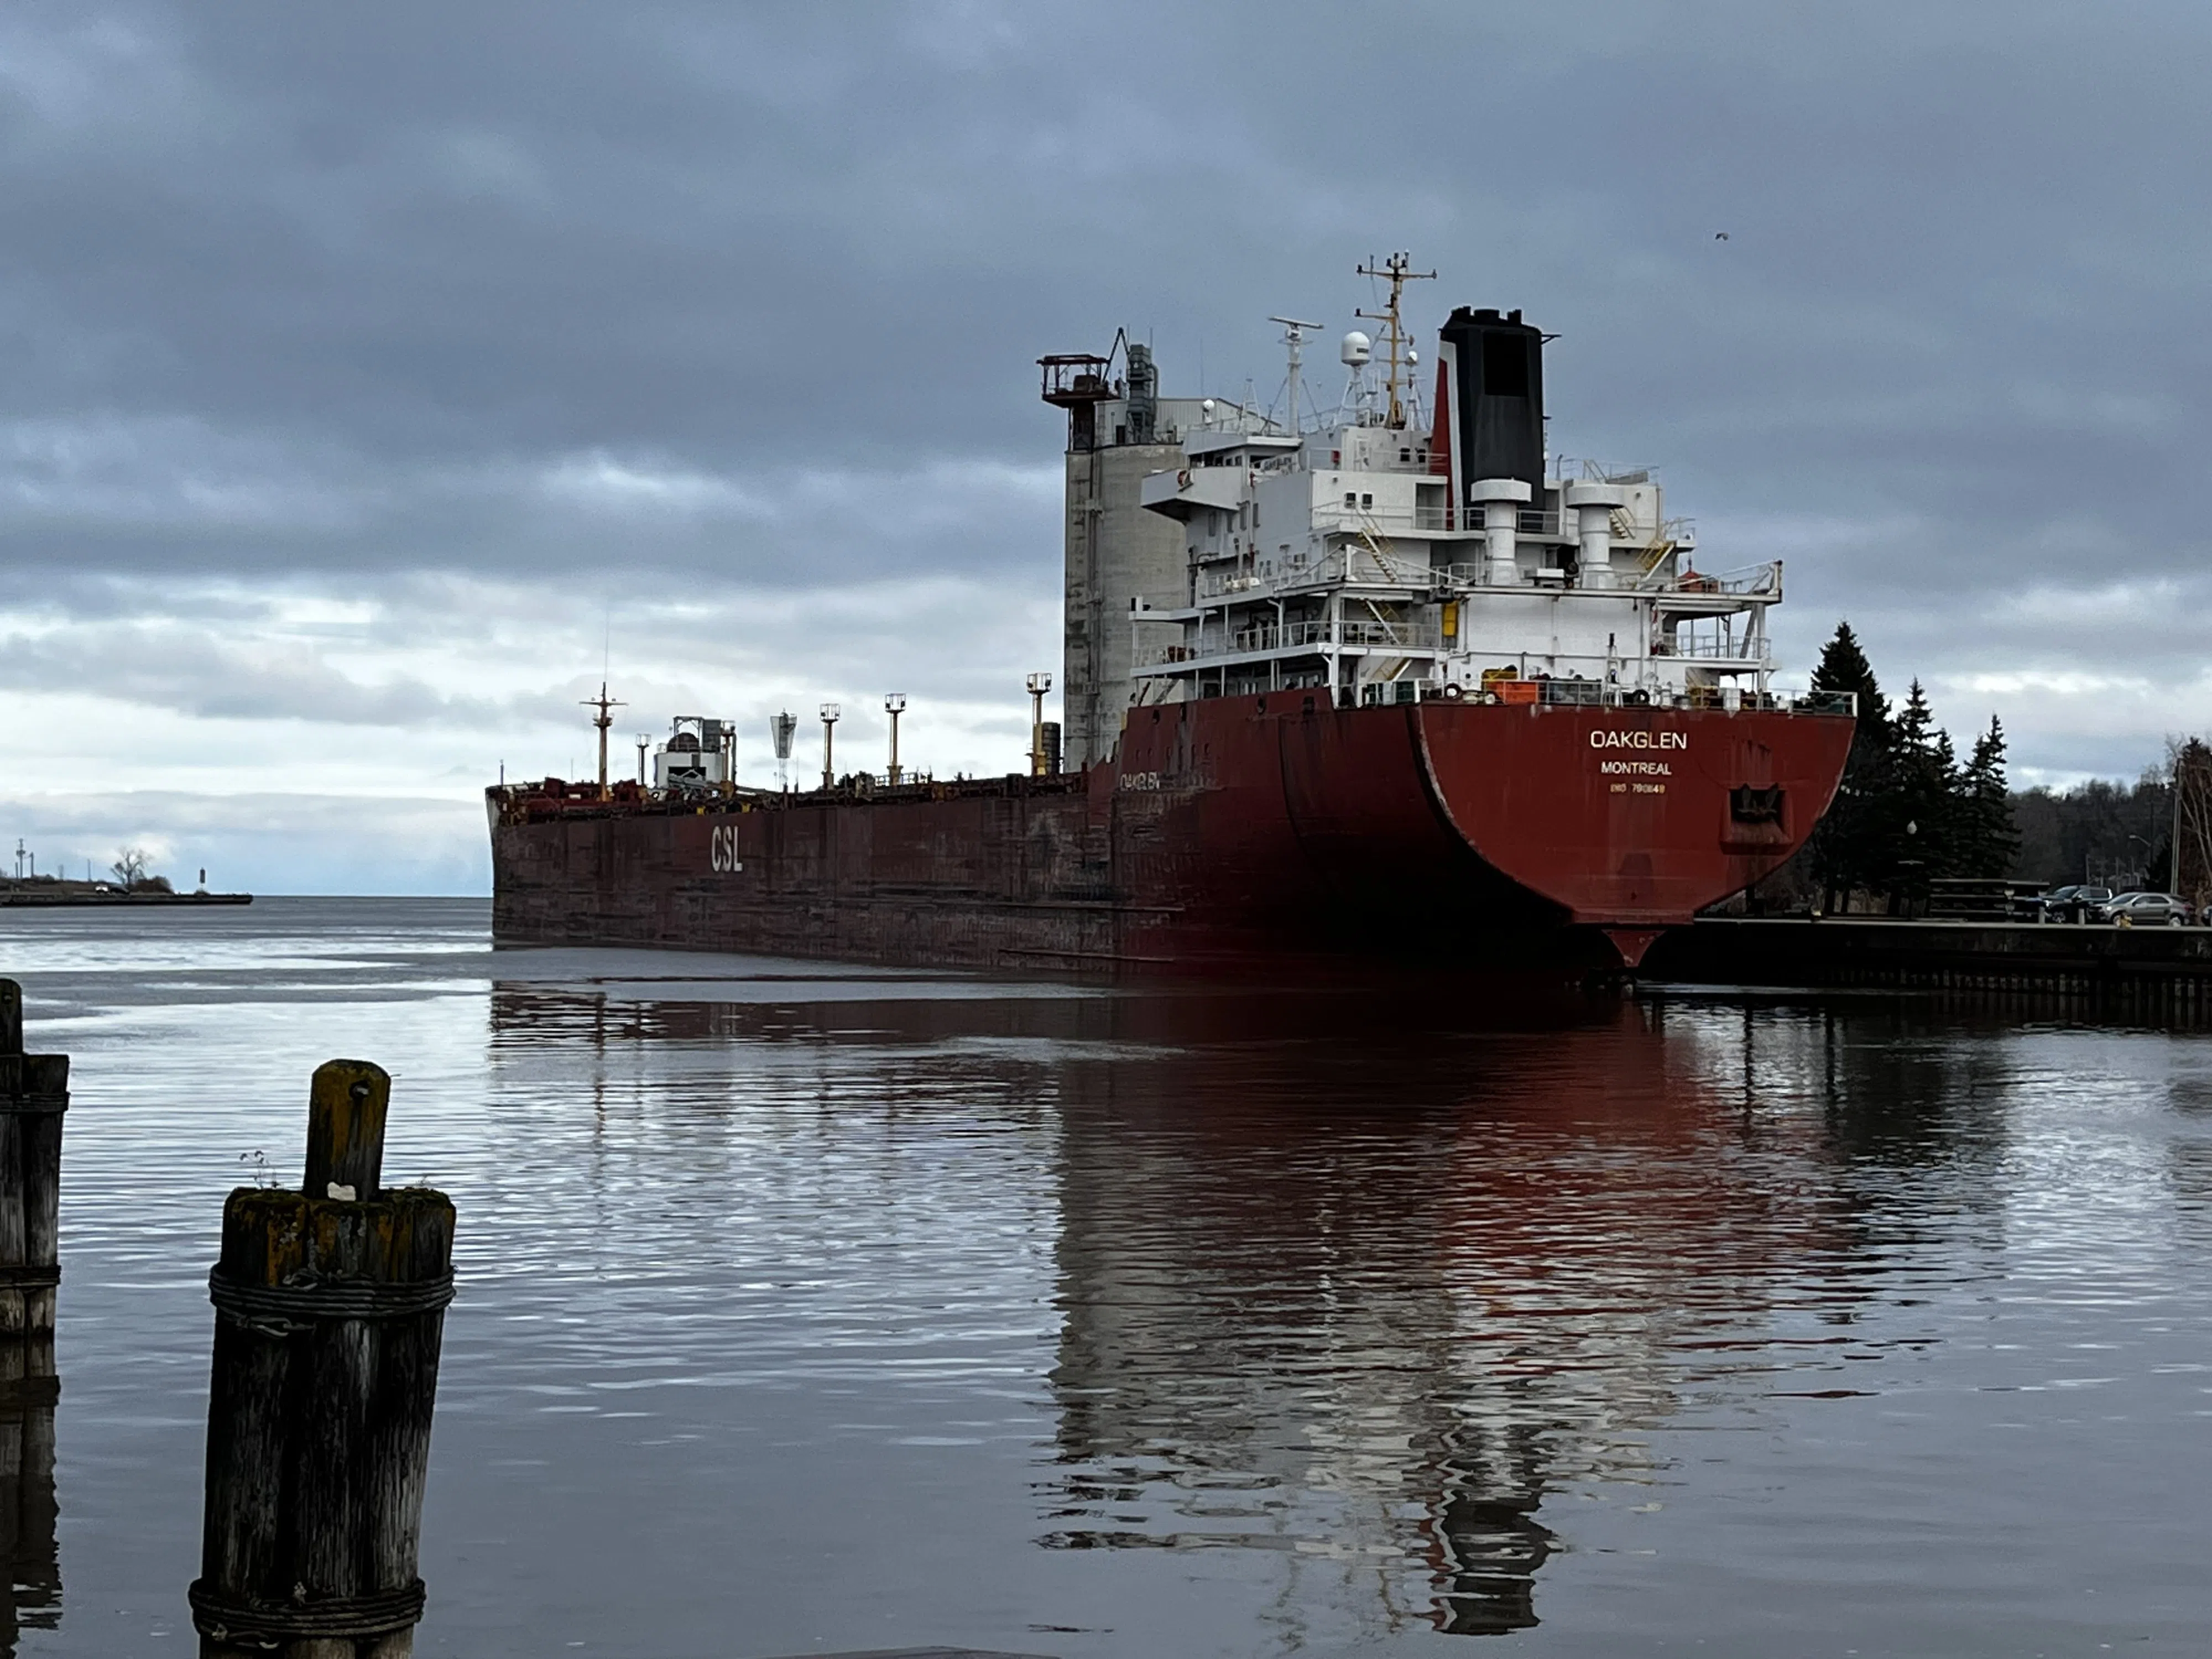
(1389, 557)
(697, 758)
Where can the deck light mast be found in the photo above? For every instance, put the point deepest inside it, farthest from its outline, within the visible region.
(1039, 684)
(895, 705)
(830, 713)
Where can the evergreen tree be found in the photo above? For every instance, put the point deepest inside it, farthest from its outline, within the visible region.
(1990, 844)
(1918, 823)
(1847, 845)
(1843, 667)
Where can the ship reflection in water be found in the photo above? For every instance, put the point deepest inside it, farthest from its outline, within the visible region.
(1375, 1312)
(1377, 1284)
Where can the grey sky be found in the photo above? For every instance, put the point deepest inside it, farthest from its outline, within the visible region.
(453, 328)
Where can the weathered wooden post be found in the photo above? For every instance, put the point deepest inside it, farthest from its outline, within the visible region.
(330, 1305)
(34, 1095)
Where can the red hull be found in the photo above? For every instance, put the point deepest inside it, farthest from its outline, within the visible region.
(1228, 829)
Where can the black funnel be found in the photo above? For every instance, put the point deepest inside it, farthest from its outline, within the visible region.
(1500, 393)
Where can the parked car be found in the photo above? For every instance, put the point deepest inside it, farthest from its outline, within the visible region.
(2073, 903)
(2143, 910)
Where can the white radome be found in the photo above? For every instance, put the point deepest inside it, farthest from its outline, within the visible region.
(1358, 349)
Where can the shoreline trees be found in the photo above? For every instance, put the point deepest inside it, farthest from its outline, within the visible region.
(1907, 813)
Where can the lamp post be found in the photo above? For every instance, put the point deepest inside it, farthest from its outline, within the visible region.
(895, 705)
(2148, 850)
(829, 713)
(643, 738)
(1039, 684)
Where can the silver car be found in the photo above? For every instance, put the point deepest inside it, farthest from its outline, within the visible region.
(2143, 910)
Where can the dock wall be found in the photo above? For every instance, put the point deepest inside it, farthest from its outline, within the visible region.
(2154, 972)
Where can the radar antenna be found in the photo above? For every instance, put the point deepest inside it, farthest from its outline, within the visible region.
(1294, 337)
(1394, 269)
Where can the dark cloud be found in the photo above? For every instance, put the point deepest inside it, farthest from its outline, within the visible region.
(669, 295)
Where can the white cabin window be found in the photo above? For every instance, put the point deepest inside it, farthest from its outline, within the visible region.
(1351, 498)
(1367, 500)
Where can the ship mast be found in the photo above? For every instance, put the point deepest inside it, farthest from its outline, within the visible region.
(1294, 337)
(1394, 269)
(604, 719)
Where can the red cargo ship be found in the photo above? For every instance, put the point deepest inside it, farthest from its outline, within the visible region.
(1380, 684)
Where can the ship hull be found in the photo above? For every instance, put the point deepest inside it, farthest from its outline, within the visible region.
(1229, 832)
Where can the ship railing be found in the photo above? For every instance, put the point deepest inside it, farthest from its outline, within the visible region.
(1750, 580)
(1572, 691)
(1438, 517)
(1287, 635)
(1694, 647)
(1359, 562)
(1766, 578)
(1283, 571)
(1166, 656)
(1223, 584)
(1291, 635)
(1356, 562)
(1585, 471)
(1826, 702)
(1296, 636)
(1410, 636)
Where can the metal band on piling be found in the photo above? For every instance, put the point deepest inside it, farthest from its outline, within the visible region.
(299, 1305)
(332, 1619)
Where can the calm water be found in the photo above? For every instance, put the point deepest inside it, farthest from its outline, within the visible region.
(818, 1308)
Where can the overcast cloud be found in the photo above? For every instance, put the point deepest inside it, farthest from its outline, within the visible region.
(371, 371)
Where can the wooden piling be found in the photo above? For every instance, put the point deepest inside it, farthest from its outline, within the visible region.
(34, 1095)
(30, 1564)
(330, 1309)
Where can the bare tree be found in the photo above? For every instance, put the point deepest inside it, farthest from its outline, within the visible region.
(129, 868)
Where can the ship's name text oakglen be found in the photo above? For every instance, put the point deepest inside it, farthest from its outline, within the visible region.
(1639, 740)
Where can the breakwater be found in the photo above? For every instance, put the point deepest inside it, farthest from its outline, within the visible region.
(24, 895)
